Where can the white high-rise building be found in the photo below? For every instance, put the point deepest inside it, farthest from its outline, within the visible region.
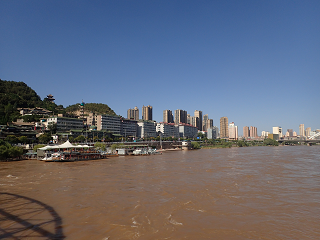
(233, 131)
(301, 130)
(277, 130)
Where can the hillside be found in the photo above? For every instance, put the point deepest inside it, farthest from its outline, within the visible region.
(98, 108)
(14, 95)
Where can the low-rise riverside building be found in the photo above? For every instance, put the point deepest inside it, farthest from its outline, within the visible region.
(146, 129)
(64, 123)
(168, 129)
(109, 123)
(212, 133)
(187, 131)
(129, 128)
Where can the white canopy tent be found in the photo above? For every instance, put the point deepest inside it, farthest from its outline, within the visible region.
(65, 145)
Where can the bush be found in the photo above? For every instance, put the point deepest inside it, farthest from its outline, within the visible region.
(195, 145)
(270, 142)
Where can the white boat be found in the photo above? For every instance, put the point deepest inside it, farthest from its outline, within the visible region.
(47, 157)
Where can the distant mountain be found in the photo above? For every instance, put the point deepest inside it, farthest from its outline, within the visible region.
(98, 108)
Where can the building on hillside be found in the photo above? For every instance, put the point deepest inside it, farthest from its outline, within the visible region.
(18, 129)
(146, 129)
(198, 114)
(64, 123)
(147, 112)
(301, 130)
(168, 129)
(34, 111)
(187, 131)
(180, 116)
(133, 113)
(50, 98)
(233, 131)
(224, 130)
(91, 119)
(167, 116)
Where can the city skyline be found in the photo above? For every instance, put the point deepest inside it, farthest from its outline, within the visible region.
(255, 62)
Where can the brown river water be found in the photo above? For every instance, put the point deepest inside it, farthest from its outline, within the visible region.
(236, 193)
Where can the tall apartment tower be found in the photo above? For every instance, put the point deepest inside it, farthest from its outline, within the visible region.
(180, 116)
(308, 132)
(208, 124)
(301, 130)
(204, 122)
(167, 116)
(233, 131)
(246, 132)
(133, 113)
(224, 131)
(147, 112)
(198, 114)
(253, 132)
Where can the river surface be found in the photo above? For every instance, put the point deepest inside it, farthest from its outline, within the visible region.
(236, 193)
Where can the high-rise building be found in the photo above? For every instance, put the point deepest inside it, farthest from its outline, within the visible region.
(301, 130)
(253, 132)
(133, 114)
(289, 133)
(264, 134)
(180, 116)
(167, 116)
(204, 122)
(198, 114)
(147, 112)
(233, 131)
(277, 130)
(188, 119)
(308, 132)
(224, 131)
(246, 132)
(207, 124)
(193, 121)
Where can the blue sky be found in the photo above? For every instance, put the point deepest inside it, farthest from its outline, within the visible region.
(256, 62)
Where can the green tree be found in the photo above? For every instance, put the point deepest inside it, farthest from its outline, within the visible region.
(80, 138)
(195, 145)
(53, 128)
(15, 152)
(241, 143)
(45, 138)
(100, 146)
(35, 148)
(3, 152)
(270, 142)
(23, 139)
(12, 139)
